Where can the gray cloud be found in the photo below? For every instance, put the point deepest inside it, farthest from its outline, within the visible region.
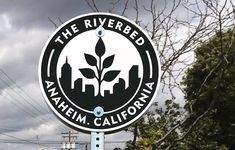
(33, 13)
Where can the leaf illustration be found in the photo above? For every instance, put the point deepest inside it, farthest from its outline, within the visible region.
(91, 60)
(108, 61)
(111, 75)
(100, 48)
(88, 73)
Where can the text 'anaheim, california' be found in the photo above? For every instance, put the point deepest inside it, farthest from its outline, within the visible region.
(80, 118)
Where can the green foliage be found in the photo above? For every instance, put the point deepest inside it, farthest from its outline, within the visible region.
(153, 127)
(203, 135)
(212, 79)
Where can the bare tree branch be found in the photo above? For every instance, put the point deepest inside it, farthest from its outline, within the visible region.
(60, 20)
(92, 5)
(192, 126)
(136, 7)
(125, 8)
(55, 25)
(113, 5)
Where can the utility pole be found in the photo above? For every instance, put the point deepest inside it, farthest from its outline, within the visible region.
(69, 140)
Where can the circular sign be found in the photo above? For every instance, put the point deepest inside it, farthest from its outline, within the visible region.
(99, 72)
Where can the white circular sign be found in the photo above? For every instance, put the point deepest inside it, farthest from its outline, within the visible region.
(99, 72)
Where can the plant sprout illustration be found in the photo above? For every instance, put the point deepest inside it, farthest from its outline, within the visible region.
(99, 65)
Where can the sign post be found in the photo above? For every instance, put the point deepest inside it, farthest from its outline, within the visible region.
(99, 73)
(97, 140)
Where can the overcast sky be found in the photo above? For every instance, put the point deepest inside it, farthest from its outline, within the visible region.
(24, 29)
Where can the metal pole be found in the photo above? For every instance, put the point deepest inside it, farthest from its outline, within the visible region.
(97, 140)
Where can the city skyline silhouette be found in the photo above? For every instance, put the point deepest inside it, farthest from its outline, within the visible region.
(87, 99)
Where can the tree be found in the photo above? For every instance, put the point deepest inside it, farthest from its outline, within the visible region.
(152, 128)
(214, 75)
(216, 17)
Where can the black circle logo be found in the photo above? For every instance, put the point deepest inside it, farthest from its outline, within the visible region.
(99, 72)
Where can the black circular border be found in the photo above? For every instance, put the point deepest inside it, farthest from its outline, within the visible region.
(57, 48)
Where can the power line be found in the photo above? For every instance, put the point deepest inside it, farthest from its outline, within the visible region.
(28, 102)
(24, 140)
(22, 90)
(21, 105)
(30, 97)
(3, 129)
(35, 109)
(17, 104)
(29, 114)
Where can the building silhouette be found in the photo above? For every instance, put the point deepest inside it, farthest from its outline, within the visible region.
(89, 100)
(133, 77)
(119, 87)
(78, 85)
(66, 76)
(89, 89)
